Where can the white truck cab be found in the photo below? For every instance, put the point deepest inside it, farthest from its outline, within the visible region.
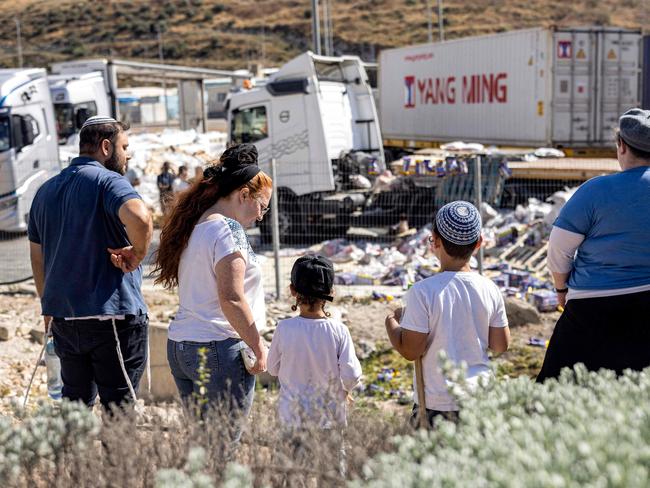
(77, 97)
(317, 117)
(29, 152)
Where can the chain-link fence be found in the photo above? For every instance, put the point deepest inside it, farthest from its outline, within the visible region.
(376, 228)
(20, 179)
(14, 261)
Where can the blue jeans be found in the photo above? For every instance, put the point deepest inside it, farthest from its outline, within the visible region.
(230, 386)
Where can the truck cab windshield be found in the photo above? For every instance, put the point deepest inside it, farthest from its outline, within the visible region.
(249, 125)
(329, 72)
(5, 134)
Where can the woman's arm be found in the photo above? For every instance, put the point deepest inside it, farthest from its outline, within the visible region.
(562, 246)
(230, 280)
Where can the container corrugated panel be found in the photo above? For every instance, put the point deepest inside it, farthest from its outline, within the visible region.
(532, 87)
(619, 79)
(645, 77)
(493, 89)
(596, 79)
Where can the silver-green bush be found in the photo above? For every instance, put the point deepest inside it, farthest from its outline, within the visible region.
(586, 429)
(191, 476)
(43, 437)
(71, 447)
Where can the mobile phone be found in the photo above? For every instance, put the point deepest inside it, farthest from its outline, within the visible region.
(248, 356)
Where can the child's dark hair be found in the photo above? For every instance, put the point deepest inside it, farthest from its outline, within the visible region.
(311, 302)
(458, 251)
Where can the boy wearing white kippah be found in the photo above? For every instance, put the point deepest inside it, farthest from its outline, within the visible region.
(457, 310)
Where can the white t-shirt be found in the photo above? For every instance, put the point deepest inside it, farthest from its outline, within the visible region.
(315, 362)
(179, 185)
(132, 174)
(456, 309)
(199, 316)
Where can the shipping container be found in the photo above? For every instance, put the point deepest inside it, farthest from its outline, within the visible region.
(645, 76)
(536, 87)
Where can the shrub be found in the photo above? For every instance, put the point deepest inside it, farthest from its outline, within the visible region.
(191, 476)
(166, 447)
(43, 438)
(174, 49)
(587, 429)
(169, 9)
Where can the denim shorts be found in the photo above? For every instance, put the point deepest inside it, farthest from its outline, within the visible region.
(230, 385)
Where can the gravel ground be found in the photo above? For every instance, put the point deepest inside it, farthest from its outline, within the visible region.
(19, 315)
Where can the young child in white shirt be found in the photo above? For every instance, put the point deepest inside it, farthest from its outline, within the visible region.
(312, 354)
(457, 310)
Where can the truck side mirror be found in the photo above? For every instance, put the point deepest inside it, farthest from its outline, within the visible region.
(81, 115)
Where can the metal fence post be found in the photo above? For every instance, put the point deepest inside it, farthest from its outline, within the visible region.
(478, 196)
(275, 229)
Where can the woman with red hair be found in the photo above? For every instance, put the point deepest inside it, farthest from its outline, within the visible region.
(204, 251)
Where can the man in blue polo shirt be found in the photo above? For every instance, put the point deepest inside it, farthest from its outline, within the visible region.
(89, 231)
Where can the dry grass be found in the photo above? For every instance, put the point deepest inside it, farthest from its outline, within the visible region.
(238, 33)
(129, 452)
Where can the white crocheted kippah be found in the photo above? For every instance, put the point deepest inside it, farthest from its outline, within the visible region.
(98, 120)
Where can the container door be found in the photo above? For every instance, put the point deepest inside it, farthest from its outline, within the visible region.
(574, 91)
(337, 118)
(192, 110)
(619, 79)
(645, 77)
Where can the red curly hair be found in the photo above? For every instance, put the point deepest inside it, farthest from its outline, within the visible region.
(186, 212)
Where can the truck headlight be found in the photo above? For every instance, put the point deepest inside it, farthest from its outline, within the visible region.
(10, 202)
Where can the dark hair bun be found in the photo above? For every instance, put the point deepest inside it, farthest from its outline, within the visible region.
(213, 171)
(239, 155)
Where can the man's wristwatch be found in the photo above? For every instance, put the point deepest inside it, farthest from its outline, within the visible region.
(561, 290)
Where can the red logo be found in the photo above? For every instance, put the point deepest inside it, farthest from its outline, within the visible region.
(564, 50)
(409, 91)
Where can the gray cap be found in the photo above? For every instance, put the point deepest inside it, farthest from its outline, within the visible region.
(635, 128)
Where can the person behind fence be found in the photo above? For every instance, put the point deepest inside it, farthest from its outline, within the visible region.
(204, 251)
(312, 354)
(599, 256)
(181, 182)
(165, 180)
(198, 175)
(456, 310)
(133, 175)
(89, 232)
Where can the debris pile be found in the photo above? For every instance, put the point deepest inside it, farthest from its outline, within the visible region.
(388, 383)
(516, 242)
(150, 150)
(403, 263)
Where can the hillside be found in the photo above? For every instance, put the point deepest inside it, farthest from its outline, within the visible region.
(236, 33)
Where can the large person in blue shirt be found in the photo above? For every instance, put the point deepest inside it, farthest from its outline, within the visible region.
(599, 255)
(89, 231)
